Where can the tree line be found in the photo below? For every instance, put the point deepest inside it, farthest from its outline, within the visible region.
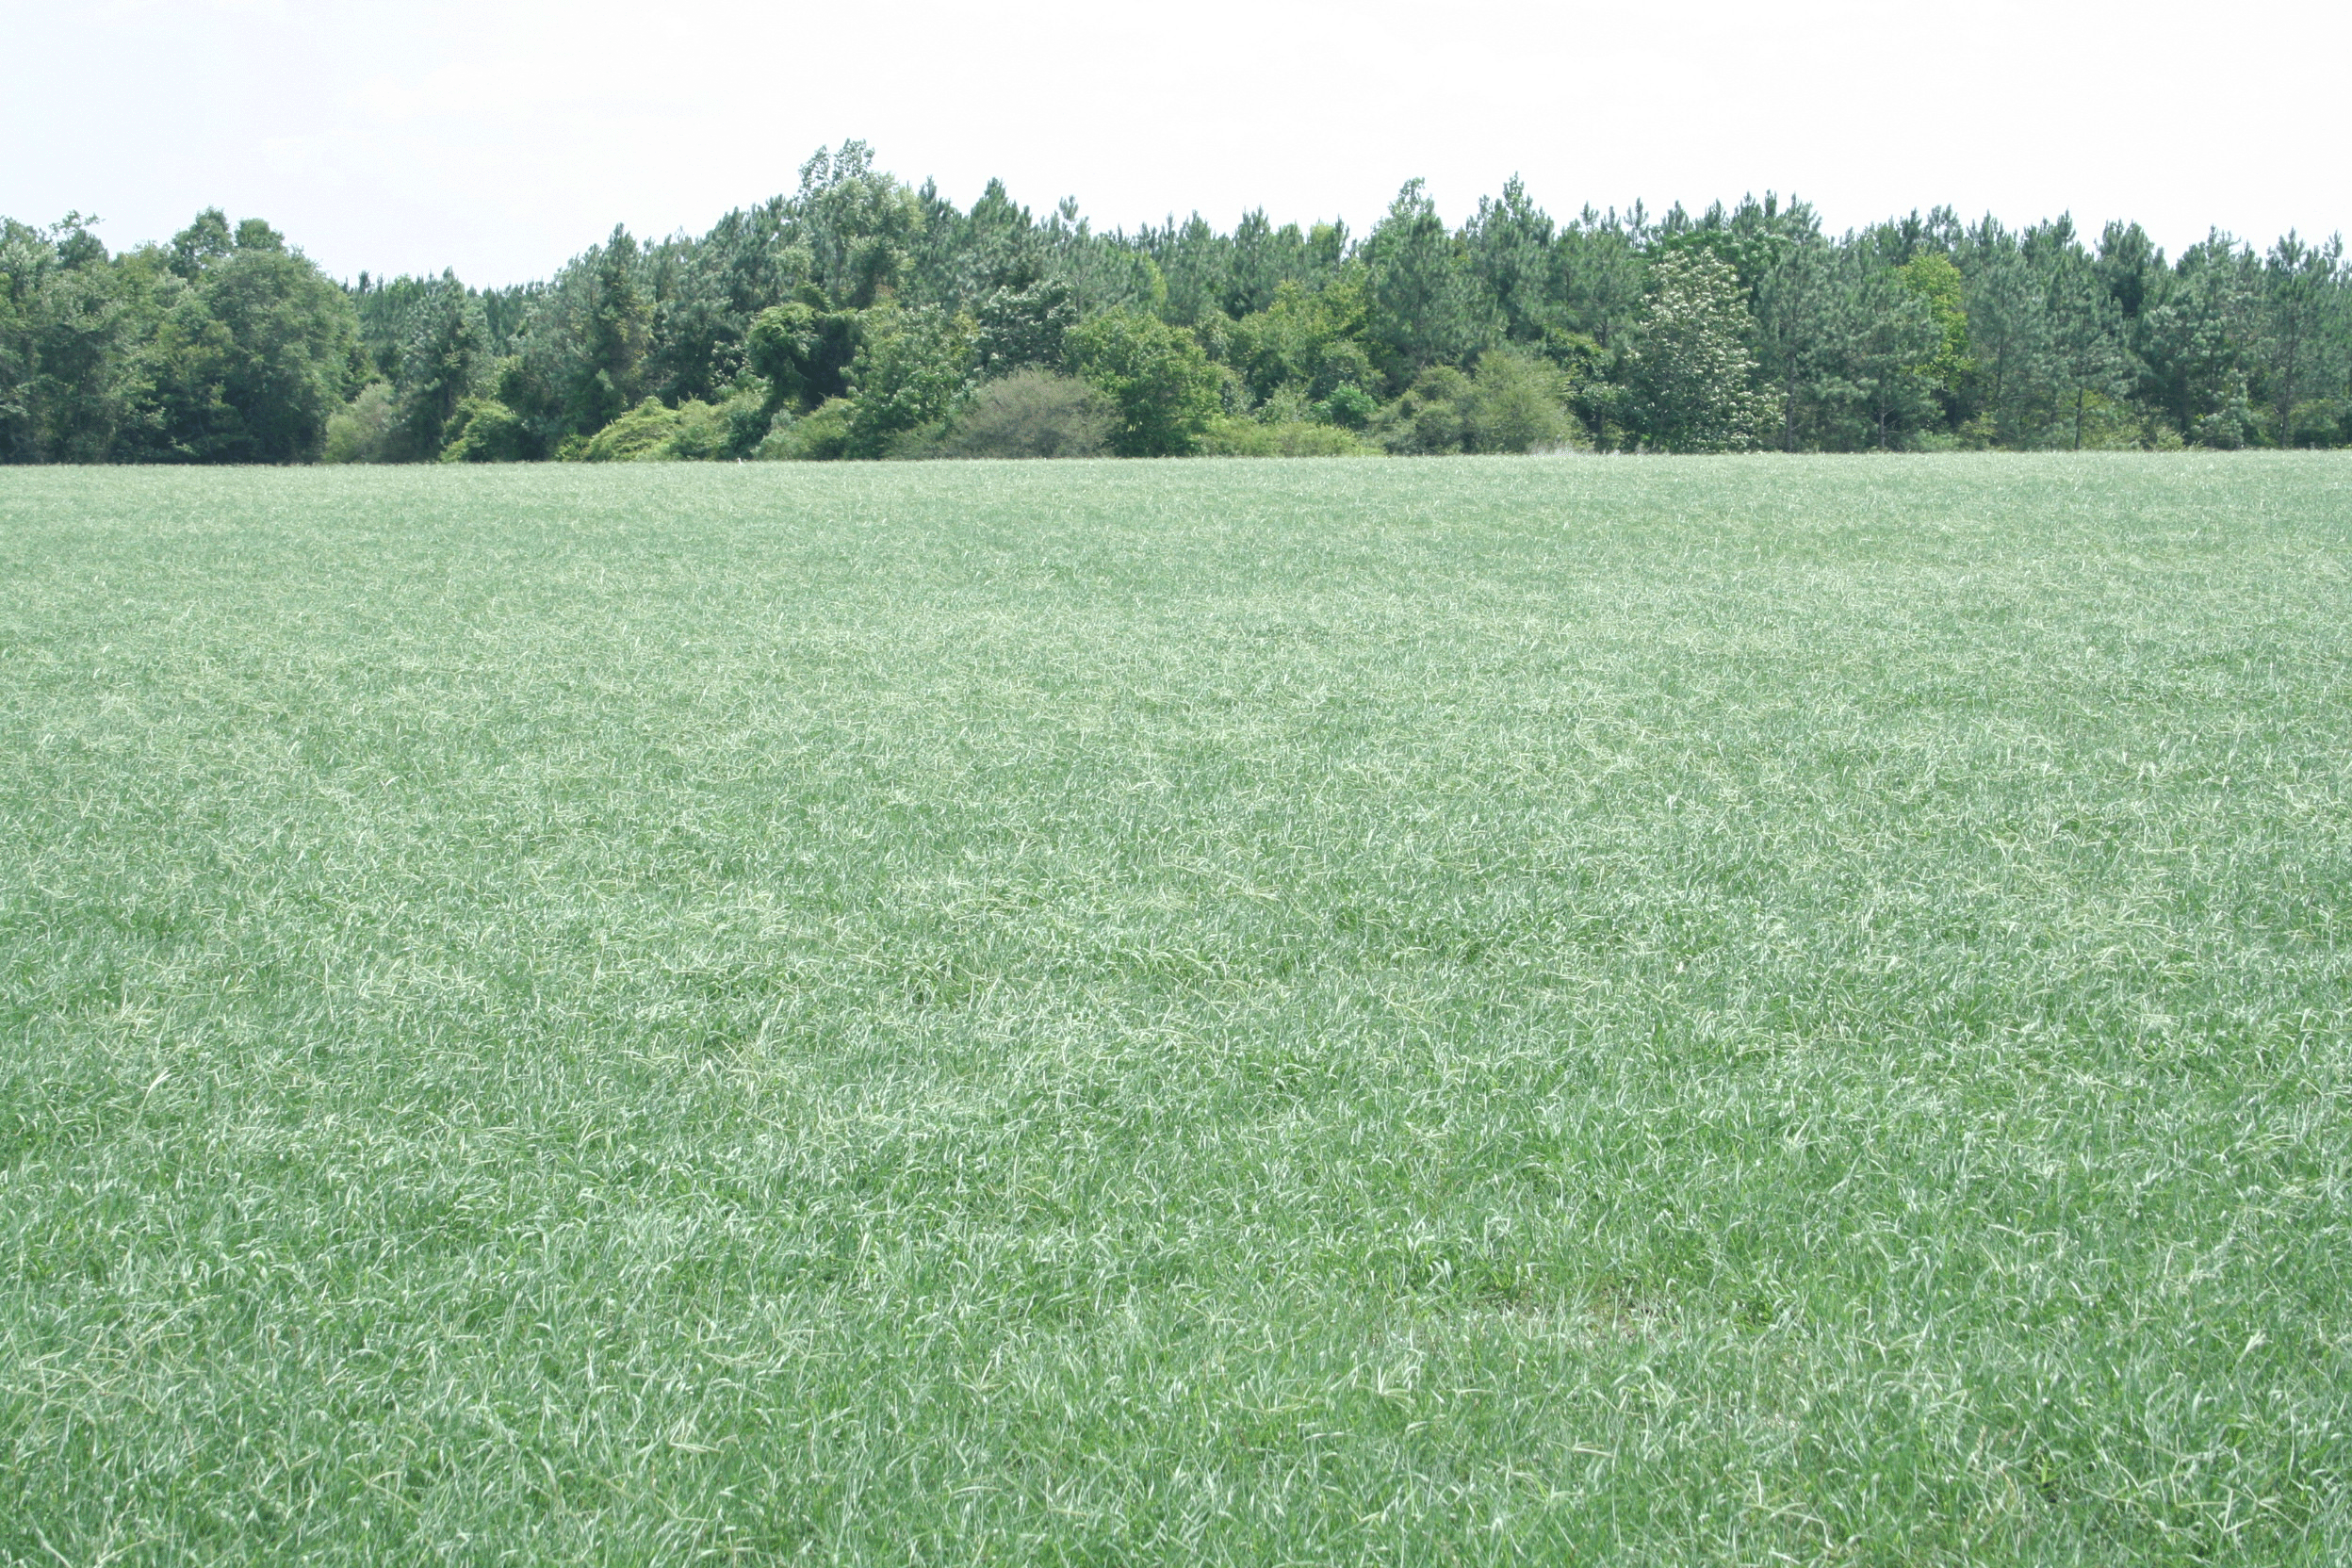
(863, 318)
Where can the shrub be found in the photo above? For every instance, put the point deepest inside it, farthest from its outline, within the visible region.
(1432, 416)
(652, 434)
(906, 375)
(365, 430)
(2319, 422)
(1519, 403)
(823, 435)
(747, 419)
(484, 429)
(1349, 405)
(1031, 414)
(1285, 438)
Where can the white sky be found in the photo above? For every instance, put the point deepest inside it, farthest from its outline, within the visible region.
(501, 136)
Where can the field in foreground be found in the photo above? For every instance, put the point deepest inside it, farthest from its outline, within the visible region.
(1564, 1010)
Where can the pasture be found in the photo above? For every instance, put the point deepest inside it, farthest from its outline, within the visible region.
(1487, 1010)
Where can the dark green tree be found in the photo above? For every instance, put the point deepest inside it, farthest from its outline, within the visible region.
(610, 324)
(1195, 261)
(2194, 342)
(442, 365)
(1424, 303)
(2298, 350)
(1896, 345)
(1802, 321)
(70, 324)
(254, 351)
(2009, 338)
(1509, 252)
(1600, 275)
(2088, 355)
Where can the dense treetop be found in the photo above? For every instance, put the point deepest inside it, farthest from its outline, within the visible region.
(863, 318)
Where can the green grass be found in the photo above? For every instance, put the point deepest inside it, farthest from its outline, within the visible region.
(1556, 1010)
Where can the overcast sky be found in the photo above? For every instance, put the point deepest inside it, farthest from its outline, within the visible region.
(501, 136)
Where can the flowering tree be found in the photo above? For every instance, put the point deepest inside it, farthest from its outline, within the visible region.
(1690, 374)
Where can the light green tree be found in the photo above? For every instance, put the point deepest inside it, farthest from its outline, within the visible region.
(1895, 343)
(906, 375)
(1162, 387)
(1932, 278)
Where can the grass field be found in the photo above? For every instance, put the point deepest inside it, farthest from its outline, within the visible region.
(1612, 1011)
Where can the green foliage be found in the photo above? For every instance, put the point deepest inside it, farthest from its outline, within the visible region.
(1509, 245)
(1431, 417)
(255, 352)
(441, 364)
(1193, 261)
(1031, 414)
(2087, 354)
(70, 375)
(1349, 407)
(484, 429)
(1893, 345)
(1424, 307)
(1599, 275)
(202, 245)
(1519, 403)
(2302, 345)
(855, 225)
(804, 351)
(1848, 350)
(1162, 387)
(2012, 388)
(748, 415)
(610, 322)
(693, 431)
(1919, 331)
(1027, 328)
(1313, 341)
(365, 430)
(911, 367)
(1261, 258)
(2194, 335)
(641, 435)
(252, 353)
(823, 436)
(1931, 276)
(1227, 436)
(1516, 401)
(1799, 313)
(1753, 239)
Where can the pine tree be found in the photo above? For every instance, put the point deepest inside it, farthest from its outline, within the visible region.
(2088, 355)
(1797, 311)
